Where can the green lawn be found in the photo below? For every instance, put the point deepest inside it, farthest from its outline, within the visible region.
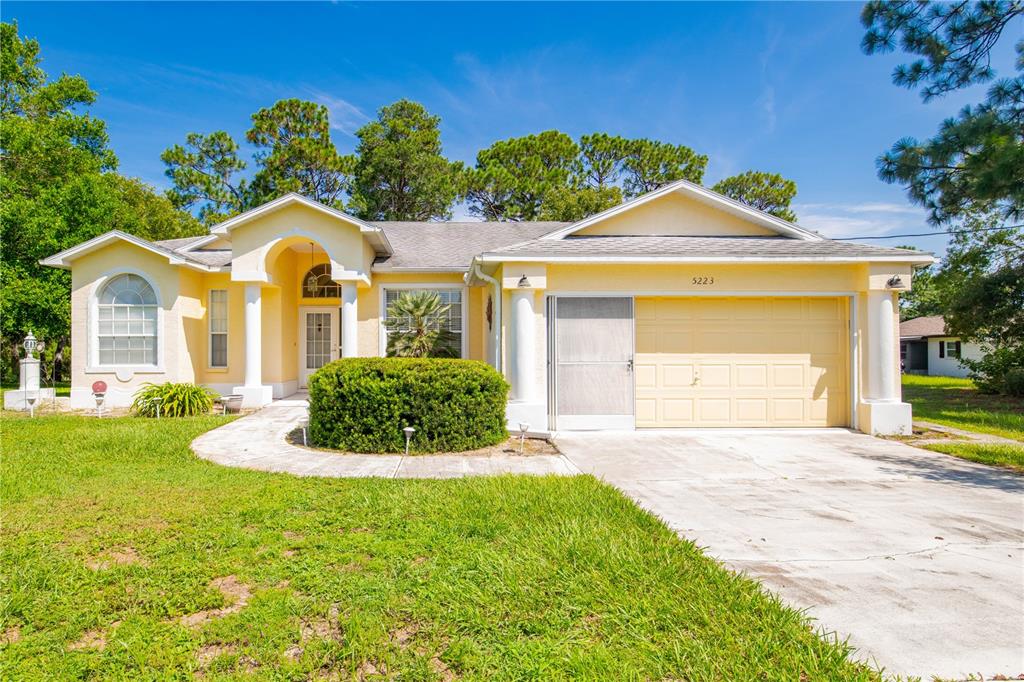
(125, 557)
(994, 454)
(957, 403)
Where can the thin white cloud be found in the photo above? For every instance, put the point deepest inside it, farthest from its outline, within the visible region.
(870, 207)
(870, 219)
(766, 102)
(345, 116)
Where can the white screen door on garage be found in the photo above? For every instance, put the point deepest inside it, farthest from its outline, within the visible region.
(318, 340)
(592, 347)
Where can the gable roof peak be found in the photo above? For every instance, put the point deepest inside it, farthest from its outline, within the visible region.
(378, 238)
(704, 195)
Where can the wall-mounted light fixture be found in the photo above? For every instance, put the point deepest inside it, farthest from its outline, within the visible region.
(524, 283)
(895, 282)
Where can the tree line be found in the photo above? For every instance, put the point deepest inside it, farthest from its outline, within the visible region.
(398, 170)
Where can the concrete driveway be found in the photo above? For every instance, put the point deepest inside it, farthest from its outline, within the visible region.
(916, 556)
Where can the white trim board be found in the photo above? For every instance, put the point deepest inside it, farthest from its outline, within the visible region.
(224, 228)
(703, 195)
(64, 258)
(496, 257)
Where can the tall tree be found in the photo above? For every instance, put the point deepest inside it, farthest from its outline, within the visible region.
(976, 160)
(513, 177)
(296, 154)
(58, 188)
(549, 176)
(400, 173)
(768, 192)
(203, 172)
(649, 164)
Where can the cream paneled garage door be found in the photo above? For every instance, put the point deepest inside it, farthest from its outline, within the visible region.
(742, 362)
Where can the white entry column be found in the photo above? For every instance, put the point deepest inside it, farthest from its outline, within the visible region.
(884, 413)
(253, 392)
(523, 352)
(883, 350)
(349, 320)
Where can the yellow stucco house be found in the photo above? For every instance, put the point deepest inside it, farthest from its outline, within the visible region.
(680, 308)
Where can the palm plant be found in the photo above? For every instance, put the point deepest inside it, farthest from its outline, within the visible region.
(417, 327)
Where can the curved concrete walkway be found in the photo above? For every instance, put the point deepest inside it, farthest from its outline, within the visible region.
(258, 441)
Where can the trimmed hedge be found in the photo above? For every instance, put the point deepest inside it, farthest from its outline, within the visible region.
(362, 405)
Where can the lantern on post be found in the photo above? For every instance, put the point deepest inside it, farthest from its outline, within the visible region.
(30, 344)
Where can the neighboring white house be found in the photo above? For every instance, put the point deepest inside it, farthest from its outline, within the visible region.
(925, 348)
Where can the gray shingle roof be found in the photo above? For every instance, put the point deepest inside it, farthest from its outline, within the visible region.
(932, 325)
(451, 245)
(214, 258)
(175, 244)
(715, 247)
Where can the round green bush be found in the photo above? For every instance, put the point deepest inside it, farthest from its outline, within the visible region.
(362, 405)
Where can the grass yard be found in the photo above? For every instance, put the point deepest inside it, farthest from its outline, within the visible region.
(993, 454)
(956, 402)
(125, 557)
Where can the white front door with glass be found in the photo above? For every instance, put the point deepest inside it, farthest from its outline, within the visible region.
(318, 340)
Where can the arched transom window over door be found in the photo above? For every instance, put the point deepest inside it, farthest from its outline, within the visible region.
(126, 325)
(318, 283)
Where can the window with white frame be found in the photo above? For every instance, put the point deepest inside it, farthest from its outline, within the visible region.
(218, 315)
(452, 319)
(126, 326)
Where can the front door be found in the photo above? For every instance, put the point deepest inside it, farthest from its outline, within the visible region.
(592, 343)
(318, 340)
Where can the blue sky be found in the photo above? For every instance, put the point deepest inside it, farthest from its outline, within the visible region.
(777, 87)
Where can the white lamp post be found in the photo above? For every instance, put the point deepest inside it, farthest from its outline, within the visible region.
(523, 428)
(408, 431)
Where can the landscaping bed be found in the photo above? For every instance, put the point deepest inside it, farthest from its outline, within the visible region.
(126, 557)
(531, 447)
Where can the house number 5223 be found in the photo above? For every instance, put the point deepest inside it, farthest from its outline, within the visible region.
(703, 281)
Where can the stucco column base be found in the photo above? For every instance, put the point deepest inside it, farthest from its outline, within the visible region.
(531, 412)
(254, 396)
(885, 418)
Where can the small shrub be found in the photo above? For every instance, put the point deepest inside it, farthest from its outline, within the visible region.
(995, 372)
(1014, 382)
(362, 405)
(175, 400)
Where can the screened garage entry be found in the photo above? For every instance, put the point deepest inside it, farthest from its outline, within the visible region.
(742, 362)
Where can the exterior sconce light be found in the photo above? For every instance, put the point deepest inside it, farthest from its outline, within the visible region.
(895, 282)
(408, 431)
(524, 283)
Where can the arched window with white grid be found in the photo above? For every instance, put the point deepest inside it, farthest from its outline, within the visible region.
(126, 329)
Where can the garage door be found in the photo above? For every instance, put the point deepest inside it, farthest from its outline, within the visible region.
(741, 362)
